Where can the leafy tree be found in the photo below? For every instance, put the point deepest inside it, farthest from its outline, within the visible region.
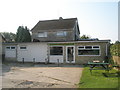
(115, 49)
(9, 36)
(85, 37)
(23, 34)
(117, 42)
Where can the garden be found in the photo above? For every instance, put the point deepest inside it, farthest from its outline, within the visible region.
(103, 78)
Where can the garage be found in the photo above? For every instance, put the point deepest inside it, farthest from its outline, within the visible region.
(32, 52)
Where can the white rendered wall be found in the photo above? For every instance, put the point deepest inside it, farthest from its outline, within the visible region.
(10, 53)
(34, 50)
(54, 58)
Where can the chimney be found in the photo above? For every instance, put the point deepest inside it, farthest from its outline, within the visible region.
(60, 18)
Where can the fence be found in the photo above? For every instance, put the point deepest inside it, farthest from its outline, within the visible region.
(116, 59)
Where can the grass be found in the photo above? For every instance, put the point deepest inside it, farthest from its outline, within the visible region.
(99, 79)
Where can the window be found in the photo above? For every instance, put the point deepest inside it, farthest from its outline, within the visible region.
(81, 47)
(7, 47)
(12, 47)
(56, 50)
(96, 47)
(61, 33)
(42, 34)
(88, 47)
(23, 47)
(88, 50)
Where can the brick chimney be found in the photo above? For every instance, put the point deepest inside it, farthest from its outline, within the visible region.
(60, 18)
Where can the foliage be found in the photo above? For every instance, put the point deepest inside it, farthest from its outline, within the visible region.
(117, 42)
(115, 49)
(9, 36)
(99, 79)
(85, 37)
(23, 34)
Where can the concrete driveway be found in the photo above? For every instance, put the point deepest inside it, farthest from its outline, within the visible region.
(41, 76)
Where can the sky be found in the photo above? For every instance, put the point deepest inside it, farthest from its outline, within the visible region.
(96, 18)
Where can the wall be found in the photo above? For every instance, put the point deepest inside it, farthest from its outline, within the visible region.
(0, 48)
(51, 36)
(34, 50)
(85, 59)
(54, 59)
(10, 54)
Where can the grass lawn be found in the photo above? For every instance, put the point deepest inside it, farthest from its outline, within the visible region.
(99, 79)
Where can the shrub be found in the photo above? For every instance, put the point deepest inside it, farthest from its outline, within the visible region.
(115, 49)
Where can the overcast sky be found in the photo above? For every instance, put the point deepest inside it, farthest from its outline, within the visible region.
(96, 18)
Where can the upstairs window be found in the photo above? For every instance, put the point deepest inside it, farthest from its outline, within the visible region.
(61, 33)
(42, 34)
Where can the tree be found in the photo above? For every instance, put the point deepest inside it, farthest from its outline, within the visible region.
(117, 42)
(9, 36)
(85, 37)
(23, 34)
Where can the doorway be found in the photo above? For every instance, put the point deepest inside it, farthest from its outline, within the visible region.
(70, 54)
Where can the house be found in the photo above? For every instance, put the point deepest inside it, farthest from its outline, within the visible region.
(2, 53)
(2, 38)
(56, 30)
(57, 40)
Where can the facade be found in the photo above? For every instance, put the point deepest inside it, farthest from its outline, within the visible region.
(2, 40)
(78, 52)
(57, 41)
(56, 30)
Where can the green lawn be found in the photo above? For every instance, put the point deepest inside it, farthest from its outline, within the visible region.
(99, 79)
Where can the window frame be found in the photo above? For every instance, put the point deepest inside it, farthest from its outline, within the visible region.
(56, 46)
(22, 47)
(10, 47)
(7, 47)
(89, 49)
(42, 36)
(61, 33)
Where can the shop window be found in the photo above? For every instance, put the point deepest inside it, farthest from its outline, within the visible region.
(56, 50)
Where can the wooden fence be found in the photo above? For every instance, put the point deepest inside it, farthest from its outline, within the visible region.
(116, 59)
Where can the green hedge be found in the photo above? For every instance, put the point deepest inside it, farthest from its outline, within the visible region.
(115, 50)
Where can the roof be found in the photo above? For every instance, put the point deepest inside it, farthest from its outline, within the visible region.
(55, 24)
(3, 37)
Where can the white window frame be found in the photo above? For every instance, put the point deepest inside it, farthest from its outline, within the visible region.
(57, 46)
(10, 48)
(89, 49)
(22, 46)
(73, 54)
(42, 34)
(61, 33)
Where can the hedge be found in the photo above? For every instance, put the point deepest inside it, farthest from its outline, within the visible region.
(115, 50)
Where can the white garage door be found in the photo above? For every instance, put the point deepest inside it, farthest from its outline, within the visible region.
(10, 51)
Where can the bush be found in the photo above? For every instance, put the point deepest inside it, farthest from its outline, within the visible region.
(115, 49)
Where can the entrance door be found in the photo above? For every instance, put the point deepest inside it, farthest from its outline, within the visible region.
(70, 54)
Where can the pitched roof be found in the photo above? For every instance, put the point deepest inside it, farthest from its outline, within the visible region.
(55, 24)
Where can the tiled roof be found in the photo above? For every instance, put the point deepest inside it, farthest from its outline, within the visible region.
(55, 24)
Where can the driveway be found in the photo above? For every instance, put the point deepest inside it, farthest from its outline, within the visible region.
(40, 76)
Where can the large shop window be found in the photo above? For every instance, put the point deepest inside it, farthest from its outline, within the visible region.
(88, 50)
(56, 50)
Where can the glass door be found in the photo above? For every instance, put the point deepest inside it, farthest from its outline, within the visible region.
(70, 54)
